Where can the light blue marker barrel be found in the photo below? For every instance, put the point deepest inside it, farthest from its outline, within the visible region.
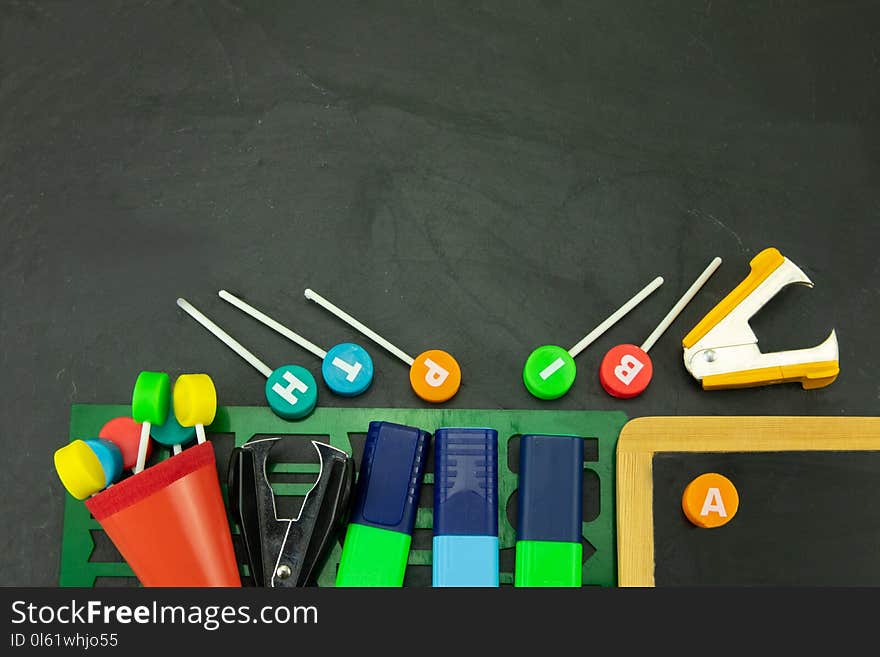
(291, 392)
(465, 507)
(347, 369)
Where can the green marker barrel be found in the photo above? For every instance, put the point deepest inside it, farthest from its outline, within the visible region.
(548, 529)
(377, 541)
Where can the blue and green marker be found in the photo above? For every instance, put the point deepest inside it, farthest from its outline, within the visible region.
(377, 541)
(548, 530)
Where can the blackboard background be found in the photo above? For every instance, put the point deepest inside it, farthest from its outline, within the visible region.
(482, 177)
(804, 519)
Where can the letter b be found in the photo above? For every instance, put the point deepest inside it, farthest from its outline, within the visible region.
(628, 369)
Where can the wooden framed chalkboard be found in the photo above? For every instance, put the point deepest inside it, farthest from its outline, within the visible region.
(809, 501)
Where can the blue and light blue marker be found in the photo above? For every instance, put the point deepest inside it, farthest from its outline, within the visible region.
(465, 544)
(291, 391)
(347, 368)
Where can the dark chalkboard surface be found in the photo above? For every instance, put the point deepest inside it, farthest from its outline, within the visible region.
(809, 501)
(482, 177)
(805, 518)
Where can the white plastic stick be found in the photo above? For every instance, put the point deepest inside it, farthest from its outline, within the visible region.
(177, 449)
(225, 338)
(142, 448)
(678, 307)
(200, 433)
(272, 324)
(615, 317)
(351, 321)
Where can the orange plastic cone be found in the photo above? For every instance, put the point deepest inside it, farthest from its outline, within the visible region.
(170, 524)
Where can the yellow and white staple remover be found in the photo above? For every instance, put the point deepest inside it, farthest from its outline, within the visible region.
(722, 350)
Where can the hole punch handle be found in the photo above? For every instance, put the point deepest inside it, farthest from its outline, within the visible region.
(283, 552)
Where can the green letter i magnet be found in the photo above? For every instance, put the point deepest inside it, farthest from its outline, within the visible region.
(376, 545)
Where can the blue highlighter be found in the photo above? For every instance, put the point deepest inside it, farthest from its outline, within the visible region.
(376, 546)
(465, 548)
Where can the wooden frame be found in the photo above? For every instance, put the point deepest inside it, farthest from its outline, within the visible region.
(641, 438)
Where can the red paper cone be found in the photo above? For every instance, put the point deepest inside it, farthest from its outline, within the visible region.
(170, 524)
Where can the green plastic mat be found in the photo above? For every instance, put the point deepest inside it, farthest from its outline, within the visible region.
(88, 557)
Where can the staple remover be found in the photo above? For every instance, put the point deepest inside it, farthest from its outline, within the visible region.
(282, 552)
(722, 350)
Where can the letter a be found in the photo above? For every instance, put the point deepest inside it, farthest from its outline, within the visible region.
(714, 502)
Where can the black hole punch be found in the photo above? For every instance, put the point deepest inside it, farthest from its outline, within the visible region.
(293, 448)
(288, 506)
(290, 449)
(241, 558)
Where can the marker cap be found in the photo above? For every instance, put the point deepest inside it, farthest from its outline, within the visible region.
(466, 482)
(551, 475)
(390, 477)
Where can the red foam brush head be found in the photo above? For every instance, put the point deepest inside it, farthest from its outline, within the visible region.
(170, 524)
